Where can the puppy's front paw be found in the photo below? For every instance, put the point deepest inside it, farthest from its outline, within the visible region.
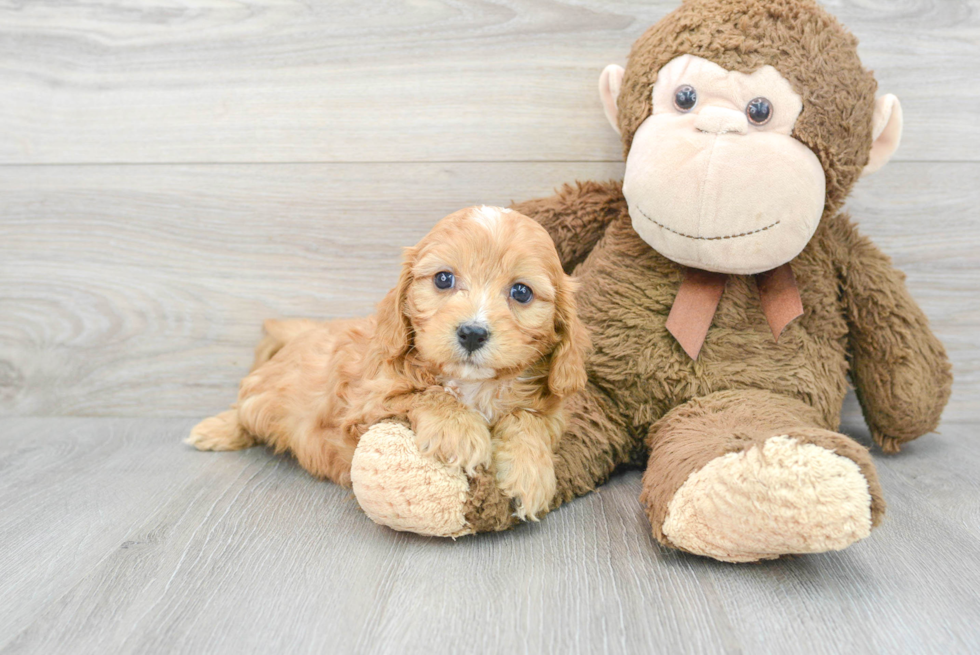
(460, 440)
(527, 476)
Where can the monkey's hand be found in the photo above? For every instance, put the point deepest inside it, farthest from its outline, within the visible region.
(901, 373)
(398, 487)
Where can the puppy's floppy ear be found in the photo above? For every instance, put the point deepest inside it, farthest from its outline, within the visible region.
(394, 335)
(567, 374)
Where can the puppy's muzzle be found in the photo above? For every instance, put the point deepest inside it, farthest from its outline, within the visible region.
(472, 337)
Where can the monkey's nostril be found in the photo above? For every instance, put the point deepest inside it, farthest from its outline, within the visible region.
(472, 337)
(718, 120)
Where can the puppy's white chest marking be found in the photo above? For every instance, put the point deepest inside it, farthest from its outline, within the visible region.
(477, 395)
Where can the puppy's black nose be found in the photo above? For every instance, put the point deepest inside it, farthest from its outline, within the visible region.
(472, 337)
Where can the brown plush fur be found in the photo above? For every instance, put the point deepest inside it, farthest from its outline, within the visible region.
(645, 394)
(315, 388)
(693, 434)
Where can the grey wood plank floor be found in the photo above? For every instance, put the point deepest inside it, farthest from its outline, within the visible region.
(118, 540)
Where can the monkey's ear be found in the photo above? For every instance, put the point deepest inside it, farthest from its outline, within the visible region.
(610, 82)
(886, 132)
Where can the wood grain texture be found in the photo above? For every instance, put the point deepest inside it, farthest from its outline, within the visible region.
(70, 494)
(243, 552)
(398, 80)
(139, 290)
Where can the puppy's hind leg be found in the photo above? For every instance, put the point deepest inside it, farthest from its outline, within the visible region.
(221, 432)
(277, 334)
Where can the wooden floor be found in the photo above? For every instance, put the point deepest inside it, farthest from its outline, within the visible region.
(173, 172)
(117, 540)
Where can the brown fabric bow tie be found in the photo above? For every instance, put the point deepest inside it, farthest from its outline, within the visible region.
(697, 299)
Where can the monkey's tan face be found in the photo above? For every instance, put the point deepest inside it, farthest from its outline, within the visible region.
(714, 179)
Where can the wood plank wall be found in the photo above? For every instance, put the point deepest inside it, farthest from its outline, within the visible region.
(173, 172)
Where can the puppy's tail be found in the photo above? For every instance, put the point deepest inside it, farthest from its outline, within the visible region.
(278, 334)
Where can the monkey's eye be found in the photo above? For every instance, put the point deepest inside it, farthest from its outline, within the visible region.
(444, 280)
(521, 293)
(685, 98)
(759, 111)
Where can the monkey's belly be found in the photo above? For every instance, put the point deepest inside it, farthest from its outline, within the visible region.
(644, 370)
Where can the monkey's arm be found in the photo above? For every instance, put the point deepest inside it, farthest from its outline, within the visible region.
(900, 370)
(577, 217)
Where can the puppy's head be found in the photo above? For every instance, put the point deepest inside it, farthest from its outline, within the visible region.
(484, 294)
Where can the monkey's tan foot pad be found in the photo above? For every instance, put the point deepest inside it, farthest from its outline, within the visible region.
(783, 498)
(398, 487)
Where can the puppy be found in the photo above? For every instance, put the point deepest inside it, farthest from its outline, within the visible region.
(476, 347)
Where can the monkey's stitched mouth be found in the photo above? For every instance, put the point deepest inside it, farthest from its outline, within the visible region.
(697, 238)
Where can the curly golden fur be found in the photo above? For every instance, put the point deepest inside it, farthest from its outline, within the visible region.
(316, 387)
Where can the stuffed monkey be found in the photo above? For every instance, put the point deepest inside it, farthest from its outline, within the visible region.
(729, 300)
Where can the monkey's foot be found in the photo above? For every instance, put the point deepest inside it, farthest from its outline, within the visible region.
(779, 497)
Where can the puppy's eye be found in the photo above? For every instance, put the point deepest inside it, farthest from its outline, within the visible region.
(759, 111)
(685, 98)
(444, 280)
(521, 293)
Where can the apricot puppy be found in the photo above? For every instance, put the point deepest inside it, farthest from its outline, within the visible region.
(476, 347)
